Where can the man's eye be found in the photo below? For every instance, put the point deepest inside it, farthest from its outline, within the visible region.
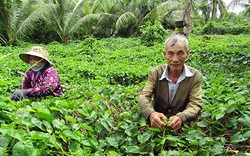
(170, 53)
(180, 53)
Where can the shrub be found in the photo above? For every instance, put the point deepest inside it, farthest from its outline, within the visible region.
(153, 33)
(223, 28)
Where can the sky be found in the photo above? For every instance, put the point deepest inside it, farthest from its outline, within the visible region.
(236, 9)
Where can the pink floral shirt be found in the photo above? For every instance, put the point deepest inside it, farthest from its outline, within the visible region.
(42, 83)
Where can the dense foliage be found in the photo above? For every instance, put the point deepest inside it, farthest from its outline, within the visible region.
(223, 28)
(99, 115)
(44, 21)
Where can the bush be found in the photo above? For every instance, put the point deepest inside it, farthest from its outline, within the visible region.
(153, 33)
(223, 28)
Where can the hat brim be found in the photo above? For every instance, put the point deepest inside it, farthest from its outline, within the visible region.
(24, 56)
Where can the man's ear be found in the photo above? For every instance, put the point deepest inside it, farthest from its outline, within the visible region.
(187, 54)
(188, 51)
(164, 53)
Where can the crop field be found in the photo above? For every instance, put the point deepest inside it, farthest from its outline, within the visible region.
(99, 114)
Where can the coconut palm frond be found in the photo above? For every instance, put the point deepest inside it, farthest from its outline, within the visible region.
(87, 21)
(70, 20)
(162, 10)
(235, 3)
(107, 19)
(95, 7)
(223, 9)
(3, 39)
(125, 20)
(177, 15)
(106, 24)
(152, 15)
(165, 7)
(79, 5)
(40, 12)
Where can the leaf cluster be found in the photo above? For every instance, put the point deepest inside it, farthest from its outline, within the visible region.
(99, 115)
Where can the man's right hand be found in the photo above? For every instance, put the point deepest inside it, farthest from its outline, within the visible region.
(156, 119)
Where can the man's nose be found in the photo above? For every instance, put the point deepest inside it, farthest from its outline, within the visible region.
(175, 57)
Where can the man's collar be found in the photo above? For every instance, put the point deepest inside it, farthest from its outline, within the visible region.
(185, 71)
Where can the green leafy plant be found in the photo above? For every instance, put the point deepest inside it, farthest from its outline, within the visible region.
(99, 115)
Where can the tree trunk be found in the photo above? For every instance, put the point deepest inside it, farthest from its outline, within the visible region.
(187, 16)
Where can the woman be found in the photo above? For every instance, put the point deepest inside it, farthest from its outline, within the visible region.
(42, 79)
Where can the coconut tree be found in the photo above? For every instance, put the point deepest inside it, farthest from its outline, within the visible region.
(218, 6)
(241, 3)
(187, 15)
(205, 9)
(61, 15)
(3, 20)
(13, 15)
(131, 17)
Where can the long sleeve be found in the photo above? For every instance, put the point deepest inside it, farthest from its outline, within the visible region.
(42, 84)
(145, 96)
(26, 81)
(195, 101)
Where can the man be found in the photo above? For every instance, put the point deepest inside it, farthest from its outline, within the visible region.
(176, 87)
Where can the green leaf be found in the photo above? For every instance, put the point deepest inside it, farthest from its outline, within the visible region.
(6, 129)
(20, 135)
(39, 135)
(202, 123)
(59, 124)
(238, 137)
(219, 115)
(21, 149)
(38, 123)
(70, 119)
(4, 141)
(112, 142)
(166, 121)
(44, 116)
(54, 142)
(245, 120)
(113, 153)
(87, 127)
(246, 134)
(2, 151)
(71, 135)
(123, 125)
(48, 126)
(142, 138)
(105, 125)
(54, 108)
(132, 149)
(93, 141)
(154, 129)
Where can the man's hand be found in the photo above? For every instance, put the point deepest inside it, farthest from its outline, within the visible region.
(176, 122)
(155, 119)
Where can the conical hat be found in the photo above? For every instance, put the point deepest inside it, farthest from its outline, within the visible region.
(35, 51)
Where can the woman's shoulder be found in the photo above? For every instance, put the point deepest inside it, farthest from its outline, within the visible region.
(49, 69)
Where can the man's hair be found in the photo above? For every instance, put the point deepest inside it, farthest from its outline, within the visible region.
(175, 38)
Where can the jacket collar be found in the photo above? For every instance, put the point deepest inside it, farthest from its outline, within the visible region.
(185, 72)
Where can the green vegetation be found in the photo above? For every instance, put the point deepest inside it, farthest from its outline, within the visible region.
(99, 115)
(45, 21)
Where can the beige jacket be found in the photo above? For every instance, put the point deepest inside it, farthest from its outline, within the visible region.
(187, 102)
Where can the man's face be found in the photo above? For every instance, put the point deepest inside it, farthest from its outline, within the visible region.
(176, 55)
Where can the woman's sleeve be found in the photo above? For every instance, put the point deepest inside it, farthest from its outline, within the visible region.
(48, 86)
